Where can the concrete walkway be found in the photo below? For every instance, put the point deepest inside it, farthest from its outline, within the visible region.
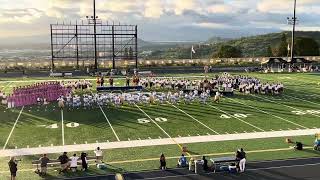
(155, 142)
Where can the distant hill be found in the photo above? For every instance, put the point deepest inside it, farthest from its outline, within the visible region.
(252, 46)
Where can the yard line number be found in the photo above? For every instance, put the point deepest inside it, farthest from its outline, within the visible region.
(146, 120)
(56, 126)
(306, 112)
(238, 115)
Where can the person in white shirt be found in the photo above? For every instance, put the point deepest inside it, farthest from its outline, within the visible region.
(74, 163)
(99, 155)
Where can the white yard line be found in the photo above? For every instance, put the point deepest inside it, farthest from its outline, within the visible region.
(114, 132)
(5, 87)
(265, 112)
(156, 142)
(14, 125)
(302, 99)
(194, 119)
(282, 104)
(62, 127)
(236, 118)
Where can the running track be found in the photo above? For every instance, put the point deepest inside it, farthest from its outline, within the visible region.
(291, 169)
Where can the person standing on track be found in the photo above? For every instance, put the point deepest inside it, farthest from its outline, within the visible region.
(13, 168)
(242, 163)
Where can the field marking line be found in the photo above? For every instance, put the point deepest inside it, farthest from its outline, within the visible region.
(269, 113)
(6, 86)
(156, 142)
(62, 127)
(236, 118)
(193, 118)
(282, 104)
(160, 128)
(105, 116)
(310, 94)
(14, 125)
(302, 99)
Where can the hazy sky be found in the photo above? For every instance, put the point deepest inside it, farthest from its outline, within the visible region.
(162, 19)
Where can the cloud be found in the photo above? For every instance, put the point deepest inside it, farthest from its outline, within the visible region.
(189, 18)
(19, 15)
(153, 9)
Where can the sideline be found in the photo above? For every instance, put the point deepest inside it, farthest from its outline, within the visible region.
(155, 142)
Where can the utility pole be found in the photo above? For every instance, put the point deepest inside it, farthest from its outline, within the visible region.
(293, 21)
(95, 36)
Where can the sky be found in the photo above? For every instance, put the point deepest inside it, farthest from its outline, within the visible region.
(162, 20)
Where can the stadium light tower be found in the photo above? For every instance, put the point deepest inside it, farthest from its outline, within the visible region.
(93, 20)
(293, 21)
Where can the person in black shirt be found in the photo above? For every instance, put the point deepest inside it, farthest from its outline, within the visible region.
(242, 163)
(205, 164)
(13, 168)
(64, 161)
(163, 164)
(84, 161)
(127, 81)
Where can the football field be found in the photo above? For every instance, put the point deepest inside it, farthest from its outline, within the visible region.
(47, 126)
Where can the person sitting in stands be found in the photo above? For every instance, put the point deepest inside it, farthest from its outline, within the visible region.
(182, 161)
(163, 164)
(232, 168)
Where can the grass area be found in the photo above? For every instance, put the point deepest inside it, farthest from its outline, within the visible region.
(297, 108)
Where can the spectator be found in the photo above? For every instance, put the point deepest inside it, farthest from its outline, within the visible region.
(98, 152)
(242, 163)
(102, 81)
(84, 161)
(74, 163)
(127, 81)
(43, 165)
(232, 168)
(163, 164)
(13, 168)
(238, 158)
(205, 163)
(182, 161)
(64, 161)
